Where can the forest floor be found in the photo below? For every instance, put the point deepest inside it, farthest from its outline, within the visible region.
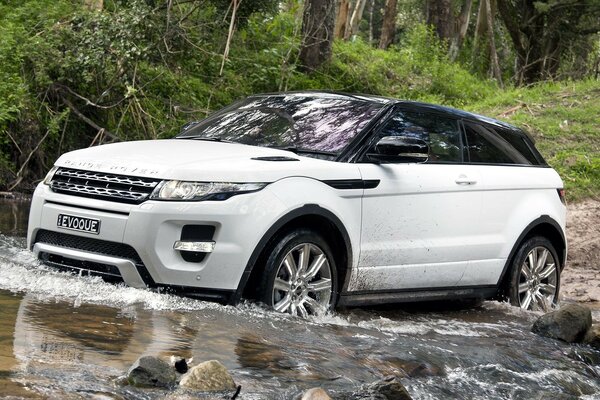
(581, 277)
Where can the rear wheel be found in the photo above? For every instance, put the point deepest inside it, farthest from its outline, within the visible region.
(535, 275)
(300, 275)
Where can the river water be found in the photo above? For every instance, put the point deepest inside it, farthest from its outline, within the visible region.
(71, 337)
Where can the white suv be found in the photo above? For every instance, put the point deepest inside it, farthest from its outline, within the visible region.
(309, 200)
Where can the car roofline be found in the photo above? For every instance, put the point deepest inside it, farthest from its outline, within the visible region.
(408, 103)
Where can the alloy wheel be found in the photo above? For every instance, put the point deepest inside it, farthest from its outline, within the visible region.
(538, 280)
(303, 283)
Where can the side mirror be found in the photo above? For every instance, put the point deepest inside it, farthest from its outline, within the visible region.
(399, 149)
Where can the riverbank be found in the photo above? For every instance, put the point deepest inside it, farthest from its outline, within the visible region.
(581, 277)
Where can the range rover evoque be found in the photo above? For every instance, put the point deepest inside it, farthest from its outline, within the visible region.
(309, 200)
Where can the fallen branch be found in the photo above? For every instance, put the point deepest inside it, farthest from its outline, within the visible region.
(89, 121)
(512, 110)
(19, 175)
(235, 4)
(14, 141)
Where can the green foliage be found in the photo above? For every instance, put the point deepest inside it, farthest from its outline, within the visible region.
(139, 70)
(418, 69)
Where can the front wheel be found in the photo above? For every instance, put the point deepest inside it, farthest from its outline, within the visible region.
(535, 275)
(300, 275)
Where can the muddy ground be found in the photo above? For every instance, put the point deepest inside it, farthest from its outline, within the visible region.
(581, 277)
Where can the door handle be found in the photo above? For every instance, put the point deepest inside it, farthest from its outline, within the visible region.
(464, 180)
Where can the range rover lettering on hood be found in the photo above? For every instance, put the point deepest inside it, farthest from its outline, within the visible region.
(117, 169)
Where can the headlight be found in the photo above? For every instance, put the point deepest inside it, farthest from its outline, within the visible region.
(181, 190)
(49, 176)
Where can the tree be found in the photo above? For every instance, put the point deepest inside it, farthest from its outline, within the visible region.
(317, 33)
(341, 22)
(439, 14)
(388, 29)
(461, 27)
(542, 30)
(359, 8)
(484, 36)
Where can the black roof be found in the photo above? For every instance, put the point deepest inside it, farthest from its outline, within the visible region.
(386, 100)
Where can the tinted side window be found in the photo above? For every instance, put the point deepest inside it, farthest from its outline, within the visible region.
(487, 147)
(518, 142)
(442, 134)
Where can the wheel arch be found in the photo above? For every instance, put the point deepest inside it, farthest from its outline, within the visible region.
(310, 216)
(543, 226)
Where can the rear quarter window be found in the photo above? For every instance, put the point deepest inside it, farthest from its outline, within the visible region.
(519, 142)
(485, 146)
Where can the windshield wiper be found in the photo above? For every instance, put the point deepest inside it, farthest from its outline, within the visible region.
(300, 150)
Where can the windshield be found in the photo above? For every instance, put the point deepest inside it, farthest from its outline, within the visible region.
(298, 122)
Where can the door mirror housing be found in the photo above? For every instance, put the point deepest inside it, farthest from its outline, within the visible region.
(399, 149)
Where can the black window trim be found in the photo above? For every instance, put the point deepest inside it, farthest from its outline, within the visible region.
(541, 163)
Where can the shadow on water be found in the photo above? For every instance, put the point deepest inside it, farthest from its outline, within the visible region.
(71, 337)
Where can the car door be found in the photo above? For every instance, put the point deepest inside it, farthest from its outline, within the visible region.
(509, 186)
(421, 221)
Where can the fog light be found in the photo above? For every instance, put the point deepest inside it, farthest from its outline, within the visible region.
(200, 247)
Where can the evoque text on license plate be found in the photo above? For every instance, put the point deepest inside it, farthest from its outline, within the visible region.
(78, 223)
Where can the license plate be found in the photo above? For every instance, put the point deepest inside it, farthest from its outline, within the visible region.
(80, 224)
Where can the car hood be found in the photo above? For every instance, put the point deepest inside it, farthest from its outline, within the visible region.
(198, 160)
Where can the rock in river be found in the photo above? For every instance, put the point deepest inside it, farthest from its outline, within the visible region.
(315, 394)
(570, 323)
(149, 371)
(209, 376)
(386, 389)
(593, 337)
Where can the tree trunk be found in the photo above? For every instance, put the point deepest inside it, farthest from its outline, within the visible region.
(461, 27)
(359, 8)
(341, 22)
(371, 8)
(388, 28)
(317, 33)
(494, 64)
(439, 14)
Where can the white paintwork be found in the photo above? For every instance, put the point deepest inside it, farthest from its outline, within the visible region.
(197, 160)
(418, 227)
(512, 197)
(424, 226)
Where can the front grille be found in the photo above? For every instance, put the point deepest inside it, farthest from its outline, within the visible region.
(120, 250)
(100, 185)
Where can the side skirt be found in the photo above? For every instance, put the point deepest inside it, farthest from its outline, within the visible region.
(366, 298)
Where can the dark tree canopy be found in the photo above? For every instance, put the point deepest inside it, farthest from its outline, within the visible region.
(542, 30)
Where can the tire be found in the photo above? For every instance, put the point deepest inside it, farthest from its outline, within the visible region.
(290, 285)
(535, 288)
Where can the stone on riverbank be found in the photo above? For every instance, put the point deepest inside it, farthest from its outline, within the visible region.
(592, 337)
(385, 389)
(149, 371)
(209, 376)
(315, 394)
(570, 323)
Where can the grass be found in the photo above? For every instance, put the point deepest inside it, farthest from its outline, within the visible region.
(564, 119)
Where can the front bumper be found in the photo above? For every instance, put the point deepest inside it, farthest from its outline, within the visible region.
(150, 230)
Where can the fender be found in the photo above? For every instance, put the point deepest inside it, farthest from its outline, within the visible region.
(306, 210)
(541, 220)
